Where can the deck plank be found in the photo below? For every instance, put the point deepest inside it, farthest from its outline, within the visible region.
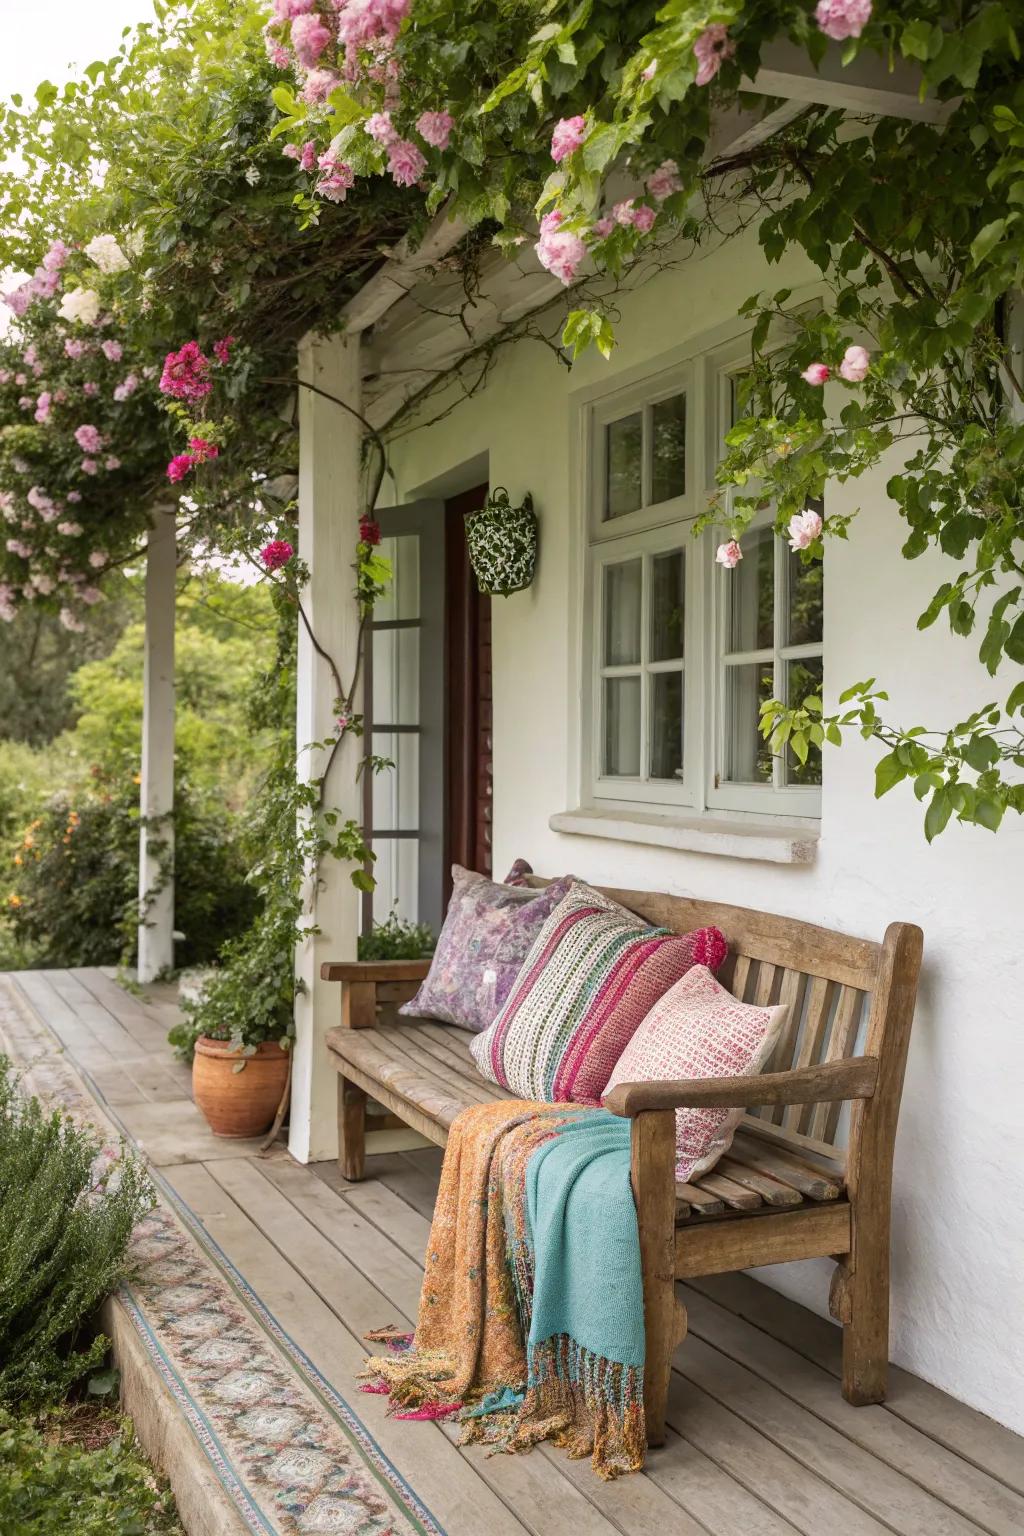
(459, 1498)
(969, 1434)
(899, 1445)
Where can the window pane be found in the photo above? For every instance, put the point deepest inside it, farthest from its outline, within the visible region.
(748, 758)
(805, 605)
(751, 589)
(804, 677)
(667, 597)
(624, 452)
(396, 676)
(622, 727)
(668, 430)
(623, 586)
(667, 725)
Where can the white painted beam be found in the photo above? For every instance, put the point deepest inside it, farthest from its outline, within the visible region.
(400, 273)
(330, 443)
(866, 84)
(156, 799)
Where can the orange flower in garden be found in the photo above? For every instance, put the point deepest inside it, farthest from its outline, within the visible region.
(17, 858)
(136, 778)
(14, 901)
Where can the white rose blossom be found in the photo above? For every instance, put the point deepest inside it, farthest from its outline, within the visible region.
(107, 254)
(81, 304)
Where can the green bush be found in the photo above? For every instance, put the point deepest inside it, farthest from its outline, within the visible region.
(49, 1487)
(64, 1231)
(396, 939)
(74, 895)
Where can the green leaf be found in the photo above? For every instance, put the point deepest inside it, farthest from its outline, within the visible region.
(986, 240)
(889, 771)
(988, 813)
(940, 808)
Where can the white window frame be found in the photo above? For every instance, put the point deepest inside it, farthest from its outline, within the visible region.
(705, 374)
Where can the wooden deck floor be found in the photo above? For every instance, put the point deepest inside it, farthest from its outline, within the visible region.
(761, 1442)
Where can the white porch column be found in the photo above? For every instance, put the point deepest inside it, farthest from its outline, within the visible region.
(330, 443)
(156, 800)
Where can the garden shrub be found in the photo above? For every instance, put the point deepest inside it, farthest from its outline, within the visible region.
(74, 896)
(66, 1217)
(397, 939)
(50, 1487)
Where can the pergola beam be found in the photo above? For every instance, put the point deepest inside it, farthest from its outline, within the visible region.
(867, 84)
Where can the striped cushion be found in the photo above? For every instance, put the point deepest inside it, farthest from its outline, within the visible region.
(698, 1029)
(593, 974)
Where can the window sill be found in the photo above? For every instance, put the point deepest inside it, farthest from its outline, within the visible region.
(735, 838)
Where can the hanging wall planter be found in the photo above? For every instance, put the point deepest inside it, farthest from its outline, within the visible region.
(502, 542)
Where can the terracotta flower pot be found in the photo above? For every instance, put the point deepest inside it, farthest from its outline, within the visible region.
(238, 1103)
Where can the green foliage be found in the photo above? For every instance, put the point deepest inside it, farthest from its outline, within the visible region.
(396, 939)
(65, 1222)
(50, 1486)
(40, 657)
(73, 895)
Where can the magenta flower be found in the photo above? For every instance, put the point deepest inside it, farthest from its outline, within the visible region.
(435, 128)
(222, 349)
(369, 530)
(186, 373)
(201, 451)
(855, 364)
(567, 137)
(112, 351)
(840, 19)
(804, 528)
(309, 39)
(729, 555)
(559, 251)
(276, 554)
(711, 50)
(405, 162)
(381, 129)
(179, 467)
(663, 182)
(816, 374)
(89, 438)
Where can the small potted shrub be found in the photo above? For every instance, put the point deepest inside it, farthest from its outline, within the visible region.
(239, 1030)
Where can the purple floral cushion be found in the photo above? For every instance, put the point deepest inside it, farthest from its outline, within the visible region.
(488, 931)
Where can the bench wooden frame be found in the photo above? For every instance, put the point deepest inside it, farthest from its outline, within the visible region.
(787, 1191)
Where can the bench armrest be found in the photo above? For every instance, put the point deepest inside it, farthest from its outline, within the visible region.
(852, 1079)
(374, 970)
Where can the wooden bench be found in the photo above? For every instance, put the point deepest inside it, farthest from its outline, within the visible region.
(801, 1180)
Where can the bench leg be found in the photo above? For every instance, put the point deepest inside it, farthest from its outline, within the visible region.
(653, 1158)
(859, 1299)
(351, 1129)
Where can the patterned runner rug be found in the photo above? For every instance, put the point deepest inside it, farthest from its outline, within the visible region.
(291, 1453)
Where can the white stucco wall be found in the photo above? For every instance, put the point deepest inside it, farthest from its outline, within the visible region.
(958, 1217)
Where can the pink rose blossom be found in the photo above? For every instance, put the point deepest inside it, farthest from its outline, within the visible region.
(663, 182)
(567, 137)
(602, 228)
(90, 388)
(112, 351)
(405, 162)
(729, 555)
(855, 364)
(70, 620)
(222, 349)
(74, 349)
(307, 159)
(186, 373)
(97, 558)
(804, 528)
(276, 554)
(319, 85)
(840, 19)
(7, 604)
(559, 251)
(277, 53)
(74, 495)
(291, 151)
(90, 595)
(21, 379)
(26, 403)
(179, 467)
(201, 451)
(43, 584)
(43, 405)
(17, 547)
(89, 438)
(309, 39)
(38, 498)
(111, 462)
(643, 218)
(69, 530)
(711, 50)
(361, 22)
(90, 467)
(56, 256)
(5, 375)
(622, 212)
(381, 129)
(816, 374)
(127, 387)
(336, 178)
(435, 128)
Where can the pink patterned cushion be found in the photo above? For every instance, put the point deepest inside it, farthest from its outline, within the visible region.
(698, 1029)
(593, 974)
